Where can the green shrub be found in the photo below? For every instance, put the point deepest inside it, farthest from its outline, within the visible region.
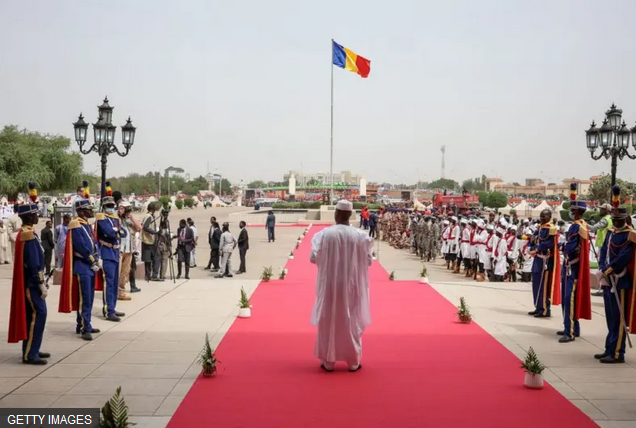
(165, 202)
(189, 202)
(316, 205)
(179, 204)
(565, 215)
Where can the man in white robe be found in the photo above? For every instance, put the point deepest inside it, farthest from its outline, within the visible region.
(500, 252)
(341, 312)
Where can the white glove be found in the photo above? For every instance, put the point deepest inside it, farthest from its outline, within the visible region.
(95, 267)
(43, 290)
(100, 263)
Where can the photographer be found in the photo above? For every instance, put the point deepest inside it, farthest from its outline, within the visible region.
(149, 243)
(132, 226)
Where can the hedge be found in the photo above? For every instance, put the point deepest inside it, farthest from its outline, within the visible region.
(189, 202)
(179, 204)
(317, 204)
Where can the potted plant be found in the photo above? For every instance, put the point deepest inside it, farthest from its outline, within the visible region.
(207, 359)
(392, 275)
(464, 312)
(291, 255)
(283, 273)
(245, 309)
(373, 255)
(114, 414)
(424, 275)
(534, 370)
(267, 274)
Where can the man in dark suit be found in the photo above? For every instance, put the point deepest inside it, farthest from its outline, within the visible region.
(48, 244)
(270, 223)
(210, 235)
(243, 245)
(215, 242)
(185, 245)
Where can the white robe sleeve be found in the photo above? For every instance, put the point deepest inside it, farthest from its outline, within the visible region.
(316, 242)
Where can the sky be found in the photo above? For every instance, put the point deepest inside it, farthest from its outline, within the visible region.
(243, 88)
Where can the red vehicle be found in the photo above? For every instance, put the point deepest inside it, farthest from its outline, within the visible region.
(461, 201)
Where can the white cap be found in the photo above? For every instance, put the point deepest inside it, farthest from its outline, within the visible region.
(344, 205)
(490, 227)
(480, 224)
(526, 221)
(513, 228)
(446, 222)
(501, 230)
(125, 204)
(454, 219)
(463, 221)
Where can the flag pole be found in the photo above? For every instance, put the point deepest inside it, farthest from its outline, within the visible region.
(331, 152)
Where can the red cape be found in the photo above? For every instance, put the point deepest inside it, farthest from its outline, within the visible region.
(556, 273)
(583, 304)
(631, 295)
(69, 290)
(17, 315)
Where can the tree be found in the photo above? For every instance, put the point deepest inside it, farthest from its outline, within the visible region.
(497, 200)
(30, 156)
(443, 183)
(257, 184)
(474, 185)
(601, 190)
(516, 184)
(483, 197)
(313, 182)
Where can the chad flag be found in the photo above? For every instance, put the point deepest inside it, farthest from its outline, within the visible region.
(349, 60)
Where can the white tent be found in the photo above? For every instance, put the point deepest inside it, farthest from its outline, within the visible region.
(418, 204)
(523, 209)
(542, 206)
(217, 202)
(505, 210)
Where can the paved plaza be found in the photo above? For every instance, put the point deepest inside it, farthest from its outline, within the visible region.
(152, 352)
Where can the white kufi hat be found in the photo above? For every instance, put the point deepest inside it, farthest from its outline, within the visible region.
(344, 205)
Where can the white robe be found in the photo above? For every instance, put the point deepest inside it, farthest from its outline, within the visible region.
(343, 255)
(445, 244)
(465, 246)
(481, 238)
(453, 239)
(491, 243)
(501, 266)
(5, 254)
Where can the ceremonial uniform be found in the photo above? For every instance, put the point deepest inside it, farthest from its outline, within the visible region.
(546, 270)
(28, 308)
(109, 234)
(81, 262)
(617, 261)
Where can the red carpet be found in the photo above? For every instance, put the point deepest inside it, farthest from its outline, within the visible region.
(420, 368)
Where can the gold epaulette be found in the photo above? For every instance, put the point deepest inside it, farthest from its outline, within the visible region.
(113, 216)
(74, 224)
(632, 235)
(553, 230)
(100, 216)
(27, 234)
(583, 232)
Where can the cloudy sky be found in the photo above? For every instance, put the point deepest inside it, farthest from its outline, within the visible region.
(507, 86)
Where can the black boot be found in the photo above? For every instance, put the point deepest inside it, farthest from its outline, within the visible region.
(187, 271)
(178, 270)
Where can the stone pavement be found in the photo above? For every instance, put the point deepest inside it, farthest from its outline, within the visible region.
(605, 393)
(152, 353)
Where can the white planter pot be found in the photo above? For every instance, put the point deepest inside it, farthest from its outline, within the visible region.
(533, 381)
(245, 312)
(291, 257)
(424, 279)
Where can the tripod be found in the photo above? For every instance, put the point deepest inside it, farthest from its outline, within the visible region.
(168, 239)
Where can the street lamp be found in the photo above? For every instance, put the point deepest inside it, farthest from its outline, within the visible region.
(612, 138)
(104, 137)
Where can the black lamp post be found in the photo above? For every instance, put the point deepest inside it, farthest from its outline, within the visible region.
(104, 136)
(612, 138)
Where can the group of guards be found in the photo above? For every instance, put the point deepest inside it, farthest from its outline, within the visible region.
(556, 261)
(91, 263)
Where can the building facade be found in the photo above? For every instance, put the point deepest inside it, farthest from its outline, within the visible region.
(344, 177)
(536, 186)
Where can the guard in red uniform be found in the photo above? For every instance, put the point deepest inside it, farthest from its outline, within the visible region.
(28, 308)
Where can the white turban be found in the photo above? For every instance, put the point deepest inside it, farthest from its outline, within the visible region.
(501, 230)
(490, 227)
(344, 205)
